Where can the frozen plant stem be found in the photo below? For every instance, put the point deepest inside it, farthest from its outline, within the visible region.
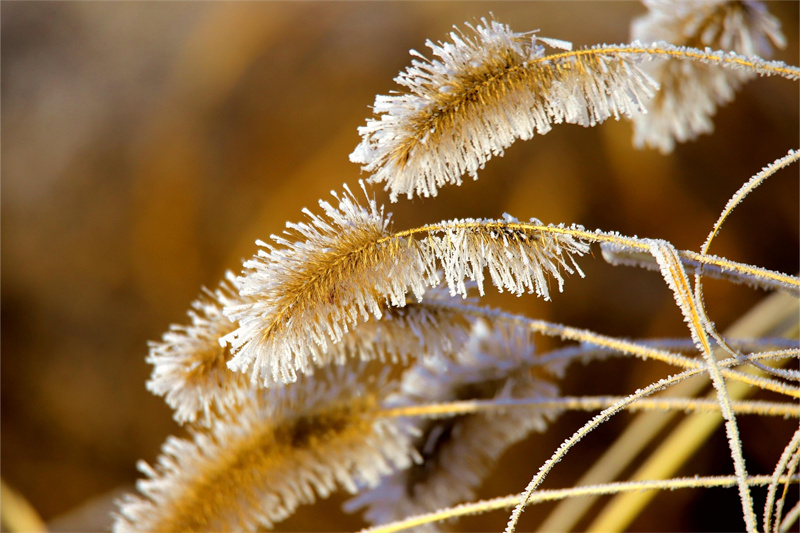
(549, 495)
(585, 403)
(747, 273)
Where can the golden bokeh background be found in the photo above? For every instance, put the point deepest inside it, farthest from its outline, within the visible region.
(147, 145)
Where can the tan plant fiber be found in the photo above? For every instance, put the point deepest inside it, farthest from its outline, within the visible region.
(281, 449)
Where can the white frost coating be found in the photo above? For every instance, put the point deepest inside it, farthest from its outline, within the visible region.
(555, 43)
(189, 473)
(478, 95)
(459, 452)
(517, 259)
(289, 325)
(189, 363)
(690, 91)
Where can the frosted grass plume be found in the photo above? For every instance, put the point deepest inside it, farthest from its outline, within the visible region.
(284, 448)
(485, 89)
(458, 452)
(312, 288)
(305, 295)
(691, 92)
(190, 366)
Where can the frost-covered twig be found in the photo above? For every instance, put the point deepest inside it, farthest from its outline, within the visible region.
(548, 495)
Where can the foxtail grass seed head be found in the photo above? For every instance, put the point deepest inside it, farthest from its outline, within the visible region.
(286, 447)
(308, 290)
(305, 295)
(458, 452)
(190, 366)
(433, 328)
(485, 89)
(518, 256)
(691, 91)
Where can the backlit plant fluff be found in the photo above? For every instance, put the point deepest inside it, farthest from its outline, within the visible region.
(349, 354)
(692, 91)
(485, 91)
(458, 452)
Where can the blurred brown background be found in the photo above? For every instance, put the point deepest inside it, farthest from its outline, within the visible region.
(148, 145)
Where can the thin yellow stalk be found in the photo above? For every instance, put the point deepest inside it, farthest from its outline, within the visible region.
(630, 347)
(599, 419)
(589, 403)
(672, 453)
(737, 198)
(720, 268)
(542, 496)
(694, 430)
(774, 316)
(752, 64)
(745, 189)
(765, 278)
(694, 315)
(596, 421)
